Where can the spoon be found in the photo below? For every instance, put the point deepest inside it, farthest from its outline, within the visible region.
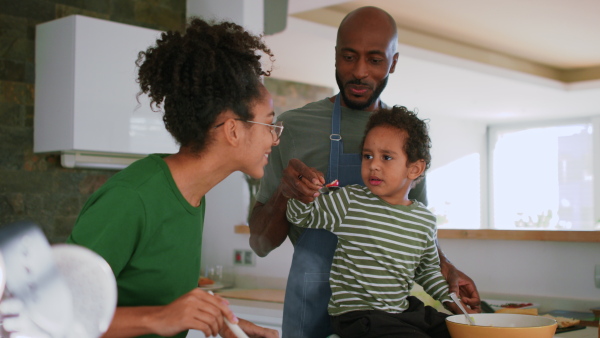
(233, 327)
(462, 308)
(325, 189)
(333, 186)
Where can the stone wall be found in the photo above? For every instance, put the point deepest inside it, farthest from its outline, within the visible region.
(34, 186)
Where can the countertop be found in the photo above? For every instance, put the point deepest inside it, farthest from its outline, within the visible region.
(588, 332)
(271, 301)
(261, 295)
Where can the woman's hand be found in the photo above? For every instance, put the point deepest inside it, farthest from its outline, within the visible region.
(252, 330)
(195, 310)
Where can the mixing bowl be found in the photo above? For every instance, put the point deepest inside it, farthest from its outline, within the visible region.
(501, 325)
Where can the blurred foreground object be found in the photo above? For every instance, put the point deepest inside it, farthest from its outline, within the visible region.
(64, 291)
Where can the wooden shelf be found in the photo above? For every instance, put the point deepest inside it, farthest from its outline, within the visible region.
(522, 235)
(261, 295)
(508, 235)
(241, 229)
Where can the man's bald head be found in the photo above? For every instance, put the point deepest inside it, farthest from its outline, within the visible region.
(369, 18)
(365, 54)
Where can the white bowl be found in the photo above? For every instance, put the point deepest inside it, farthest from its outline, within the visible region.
(501, 325)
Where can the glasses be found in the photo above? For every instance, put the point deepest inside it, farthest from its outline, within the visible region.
(276, 128)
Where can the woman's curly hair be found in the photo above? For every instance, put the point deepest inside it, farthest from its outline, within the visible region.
(417, 143)
(199, 74)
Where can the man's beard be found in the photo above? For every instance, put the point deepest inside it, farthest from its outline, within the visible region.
(360, 106)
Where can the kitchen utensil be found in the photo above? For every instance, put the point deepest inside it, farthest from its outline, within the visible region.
(233, 327)
(2, 276)
(93, 286)
(34, 281)
(325, 190)
(462, 308)
(330, 187)
(570, 328)
(501, 325)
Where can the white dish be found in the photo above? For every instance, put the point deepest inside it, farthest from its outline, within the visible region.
(212, 287)
(2, 276)
(498, 304)
(93, 286)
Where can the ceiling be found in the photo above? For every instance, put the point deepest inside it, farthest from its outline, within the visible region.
(555, 39)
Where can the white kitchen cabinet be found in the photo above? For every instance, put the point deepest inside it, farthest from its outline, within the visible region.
(85, 91)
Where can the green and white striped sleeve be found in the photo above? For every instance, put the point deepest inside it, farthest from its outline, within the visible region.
(326, 212)
(429, 275)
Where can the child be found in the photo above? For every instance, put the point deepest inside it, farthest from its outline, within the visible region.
(386, 242)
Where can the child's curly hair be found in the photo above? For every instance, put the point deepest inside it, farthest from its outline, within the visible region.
(197, 75)
(417, 143)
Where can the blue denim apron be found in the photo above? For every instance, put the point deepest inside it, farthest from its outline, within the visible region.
(307, 293)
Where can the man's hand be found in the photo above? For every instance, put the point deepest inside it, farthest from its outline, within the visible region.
(268, 224)
(452, 307)
(463, 286)
(301, 182)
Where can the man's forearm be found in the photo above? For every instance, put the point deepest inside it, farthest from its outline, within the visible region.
(268, 224)
(445, 263)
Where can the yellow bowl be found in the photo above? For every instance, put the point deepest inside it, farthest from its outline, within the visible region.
(501, 325)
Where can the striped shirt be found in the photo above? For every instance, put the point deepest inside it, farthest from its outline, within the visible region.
(382, 249)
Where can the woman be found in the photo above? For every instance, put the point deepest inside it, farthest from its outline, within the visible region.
(146, 221)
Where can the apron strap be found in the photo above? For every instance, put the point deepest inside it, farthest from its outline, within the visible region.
(335, 137)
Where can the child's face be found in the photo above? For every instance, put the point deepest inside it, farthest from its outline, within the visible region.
(385, 170)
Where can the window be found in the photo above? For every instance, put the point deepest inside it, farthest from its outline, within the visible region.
(541, 177)
(529, 177)
(456, 202)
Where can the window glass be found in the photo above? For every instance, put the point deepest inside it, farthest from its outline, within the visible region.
(454, 193)
(542, 177)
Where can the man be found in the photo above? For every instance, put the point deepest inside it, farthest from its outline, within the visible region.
(314, 143)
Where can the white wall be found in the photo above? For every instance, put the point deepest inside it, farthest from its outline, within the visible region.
(305, 53)
(247, 13)
(226, 206)
(553, 269)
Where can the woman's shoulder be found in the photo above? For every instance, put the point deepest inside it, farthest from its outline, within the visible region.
(140, 171)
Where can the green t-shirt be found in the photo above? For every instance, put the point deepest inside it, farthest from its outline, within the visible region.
(151, 237)
(306, 137)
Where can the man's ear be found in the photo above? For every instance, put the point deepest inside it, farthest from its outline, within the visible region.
(394, 62)
(416, 169)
